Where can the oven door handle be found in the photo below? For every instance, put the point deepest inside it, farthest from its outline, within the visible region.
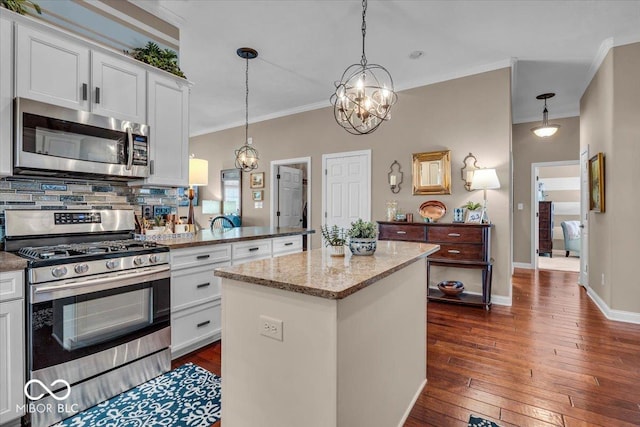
(40, 293)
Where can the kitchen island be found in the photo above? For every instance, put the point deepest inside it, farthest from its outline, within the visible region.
(315, 340)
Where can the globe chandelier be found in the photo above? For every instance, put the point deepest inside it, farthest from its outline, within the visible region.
(545, 130)
(247, 156)
(365, 93)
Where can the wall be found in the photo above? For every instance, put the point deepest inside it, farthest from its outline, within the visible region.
(470, 114)
(528, 149)
(609, 109)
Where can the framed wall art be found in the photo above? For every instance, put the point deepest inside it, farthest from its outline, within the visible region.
(596, 183)
(257, 195)
(257, 180)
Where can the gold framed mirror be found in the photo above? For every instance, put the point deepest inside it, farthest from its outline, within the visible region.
(432, 172)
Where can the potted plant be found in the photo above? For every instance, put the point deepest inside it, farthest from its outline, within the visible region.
(363, 237)
(472, 206)
(152, 54)
(335, 238)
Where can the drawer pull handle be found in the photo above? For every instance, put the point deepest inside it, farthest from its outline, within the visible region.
(253, 249)
(201, 324)
(288, 244)
(453, 234)
(203, 256)
(203, 285)
(401, 232)
(453, 251)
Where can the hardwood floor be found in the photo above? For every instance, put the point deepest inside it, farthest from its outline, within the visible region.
(552, 359)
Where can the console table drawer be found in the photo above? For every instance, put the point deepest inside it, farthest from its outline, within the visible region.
(411, 233)
(455, 234)
(460, 252)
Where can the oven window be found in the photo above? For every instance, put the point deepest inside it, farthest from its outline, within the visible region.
(86, 323)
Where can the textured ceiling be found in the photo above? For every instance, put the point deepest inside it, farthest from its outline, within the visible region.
(304, 46)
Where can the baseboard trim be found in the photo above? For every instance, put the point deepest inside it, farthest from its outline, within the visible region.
(523, 265)
(412, 404)
(617, 315)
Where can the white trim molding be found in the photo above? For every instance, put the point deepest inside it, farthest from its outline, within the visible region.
(524, 265)
(617, 315)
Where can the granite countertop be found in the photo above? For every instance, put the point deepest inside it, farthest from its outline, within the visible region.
(317, 273)
(9, 262)
(237, 234)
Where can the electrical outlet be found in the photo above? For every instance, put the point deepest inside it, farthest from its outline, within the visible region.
(270, 327)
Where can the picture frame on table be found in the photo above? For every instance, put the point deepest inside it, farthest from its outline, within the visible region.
(474, 217)
(257, 180)
(257, 195)
(596, 183)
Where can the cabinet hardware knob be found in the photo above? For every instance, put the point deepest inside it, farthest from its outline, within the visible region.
(201, 324)
(97, 95)
(203, 285)
(253, 249)
(203, 256)
(401, 232)
(454, 234)
(453, 251)
(288, 244)
(84, 91)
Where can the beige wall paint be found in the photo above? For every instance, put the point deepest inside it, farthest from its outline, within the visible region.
(610, 110)
(470, 114)
(528, 149)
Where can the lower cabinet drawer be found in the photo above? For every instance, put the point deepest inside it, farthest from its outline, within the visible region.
(462, 251)
(412, 233)
(286, 245)
(253, 249)
(194, 327)
(455, 234)
(194, 286)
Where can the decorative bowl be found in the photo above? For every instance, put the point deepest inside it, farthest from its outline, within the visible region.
(451, 287)
(360, 246)
(432, 210)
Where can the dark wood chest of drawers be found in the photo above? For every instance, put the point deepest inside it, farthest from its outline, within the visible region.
(545, 228)
(461, 245)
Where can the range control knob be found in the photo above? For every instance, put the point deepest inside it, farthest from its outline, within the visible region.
(138, 260)
(81, 268)
(59, 271)
(112, 263)
(153, 258)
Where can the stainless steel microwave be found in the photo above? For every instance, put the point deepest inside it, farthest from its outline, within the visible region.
(57, 141)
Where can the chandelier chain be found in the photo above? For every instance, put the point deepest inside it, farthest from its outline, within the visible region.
(363, 61)
(246, 104)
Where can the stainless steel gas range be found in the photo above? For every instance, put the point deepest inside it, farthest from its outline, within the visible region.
(98, 307)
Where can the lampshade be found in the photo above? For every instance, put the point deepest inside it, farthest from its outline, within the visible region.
(198, 172)
(211, 207)
(485, 179)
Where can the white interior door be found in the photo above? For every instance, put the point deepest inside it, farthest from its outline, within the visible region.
(584, 218)
(346, 187)
(289, 197)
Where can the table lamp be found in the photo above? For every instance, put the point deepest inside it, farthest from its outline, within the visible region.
(198, 176)
(485, 179)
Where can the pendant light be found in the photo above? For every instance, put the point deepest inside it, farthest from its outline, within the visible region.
(365, 93)
(545, 130)
(247, 156)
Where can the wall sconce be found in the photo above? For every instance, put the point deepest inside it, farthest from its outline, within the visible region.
(466, 172)
(395, 177)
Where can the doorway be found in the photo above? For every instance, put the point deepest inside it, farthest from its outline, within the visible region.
(291, 194)
(556, 199)
(346, 188)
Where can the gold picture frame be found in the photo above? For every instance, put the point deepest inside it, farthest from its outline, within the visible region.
(432, 173)
(596, 183)
(257, 195)
(257, 180)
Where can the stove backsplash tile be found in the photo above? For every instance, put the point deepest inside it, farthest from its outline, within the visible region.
(48, 193)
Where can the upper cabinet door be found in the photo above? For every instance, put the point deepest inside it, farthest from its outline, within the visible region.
(118, 88)
(51, 69)
(6, 96)
(169, 131)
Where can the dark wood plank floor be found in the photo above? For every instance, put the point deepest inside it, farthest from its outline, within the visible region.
(552, 359)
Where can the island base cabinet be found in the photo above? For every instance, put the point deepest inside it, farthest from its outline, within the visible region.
(357, 361)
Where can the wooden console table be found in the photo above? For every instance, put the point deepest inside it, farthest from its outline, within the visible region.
(461, 246)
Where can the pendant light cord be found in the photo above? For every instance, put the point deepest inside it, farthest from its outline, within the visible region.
(363, 61)
(246, 104)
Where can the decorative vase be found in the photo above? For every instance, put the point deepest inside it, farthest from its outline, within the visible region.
(336, 250)
(362, 246)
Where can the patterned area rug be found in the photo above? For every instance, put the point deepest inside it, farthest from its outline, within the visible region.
(187, 396)
(481, 422)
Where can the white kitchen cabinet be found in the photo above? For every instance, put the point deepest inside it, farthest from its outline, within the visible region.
(250, 250)
(168, 101)
(58, 69)
(287, 245)
(12, 357)
(6, 95)
(195, 296)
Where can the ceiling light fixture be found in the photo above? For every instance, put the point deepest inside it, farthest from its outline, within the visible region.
(247, 156)
(364, 95)
(546, 130)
